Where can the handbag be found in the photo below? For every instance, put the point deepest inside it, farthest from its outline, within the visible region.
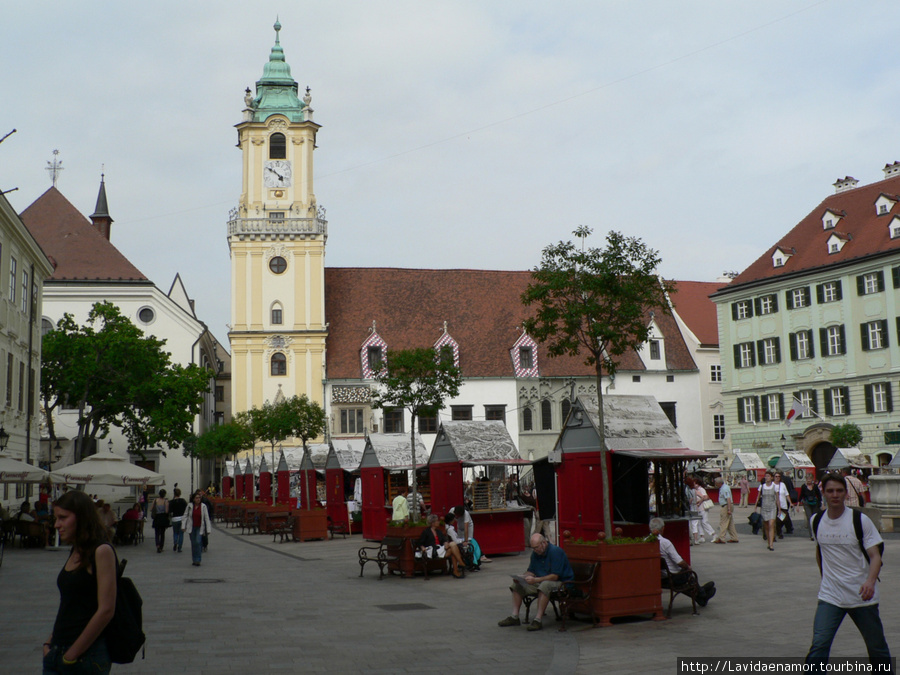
(706, 505)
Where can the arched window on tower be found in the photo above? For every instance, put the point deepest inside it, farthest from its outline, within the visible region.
(566, 407)
(277, 147)
(279, 364)
(546, 415)
(527, 421)
(277, 314)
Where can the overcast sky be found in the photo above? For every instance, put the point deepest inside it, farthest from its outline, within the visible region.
(457, 134)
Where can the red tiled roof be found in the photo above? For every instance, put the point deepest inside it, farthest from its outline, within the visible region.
(867, 232)
(691, 301)
(482, 308)
(74, 245)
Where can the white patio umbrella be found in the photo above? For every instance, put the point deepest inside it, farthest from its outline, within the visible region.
(107, 468)
(16, 471)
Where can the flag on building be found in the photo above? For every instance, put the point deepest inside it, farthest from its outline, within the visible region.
(796, 410)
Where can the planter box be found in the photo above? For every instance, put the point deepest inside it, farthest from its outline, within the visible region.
(310, 524)
(628, 579)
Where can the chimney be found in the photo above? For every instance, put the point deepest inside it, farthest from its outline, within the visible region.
(845, 183)
(100, 217)
(891, 169)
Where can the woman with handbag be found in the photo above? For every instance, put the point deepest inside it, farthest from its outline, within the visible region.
(769, 507)
(704, 504)
(160, 514)
(434, 543)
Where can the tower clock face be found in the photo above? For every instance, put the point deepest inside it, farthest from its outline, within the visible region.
(277, 173)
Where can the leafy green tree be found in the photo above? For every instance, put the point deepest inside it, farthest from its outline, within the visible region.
(222, 440)
(296, 417)
(596, 301)
(846, 435)
(417, 380)
(115, 376)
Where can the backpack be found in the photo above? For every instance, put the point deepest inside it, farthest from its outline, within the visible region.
(124, 633)
(857, 528)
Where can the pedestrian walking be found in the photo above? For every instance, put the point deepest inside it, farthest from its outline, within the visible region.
(87, 590)
(848, 553)
(784, 524)
(177, 507)
(769, 509)
(811, 499)
(160, 513)
(727, 533)
(745, 490)
(196, 524)
(704, 504)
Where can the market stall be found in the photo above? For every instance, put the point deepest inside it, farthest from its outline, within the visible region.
(753, 465)
(283, 481)
(797, 465)
(477, 457)
(238, 480)
(341, 470)
(385, 472)
(265, 481)
(249, 482)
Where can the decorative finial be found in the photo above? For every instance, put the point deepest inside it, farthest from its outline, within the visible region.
(277, 28)
(55, 167)
(307, 98)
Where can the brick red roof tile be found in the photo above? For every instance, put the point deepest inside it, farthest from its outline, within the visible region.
(73, 244)
(482, 308)
(691, 301)
(867, 233)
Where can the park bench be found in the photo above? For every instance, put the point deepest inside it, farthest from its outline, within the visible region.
(234, 513)
(689, 588)
(249, 520)
(283, 528)
(337, 528)
(571, 598)
(383, 555)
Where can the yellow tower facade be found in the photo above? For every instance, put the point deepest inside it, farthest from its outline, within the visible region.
(276, 238)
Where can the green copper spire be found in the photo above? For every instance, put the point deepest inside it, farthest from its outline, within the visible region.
(276, 90)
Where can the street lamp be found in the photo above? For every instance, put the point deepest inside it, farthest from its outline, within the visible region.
(783, 442)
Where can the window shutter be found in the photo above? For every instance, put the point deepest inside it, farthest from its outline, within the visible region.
(884, 333)
(740, 406)
(734, 315)
(843, 337)
(777, 350)
(860, 285)
(781, 406)
(756, 407)
(792, 340)
(888, 397)
(757, 305)
(737, 352)
(864, 336)
(846, 391)
(764, 413)
(829, 408)
(820, 293)
(868, 390)
(789, 299)
(774, 302)
(823, 340)
(880, 276)
(895, 276)
(806, 296)
(814, 401)
(761, 351)
(838, 292)
(812, 344)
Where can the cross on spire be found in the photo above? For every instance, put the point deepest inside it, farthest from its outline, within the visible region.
(54, 167)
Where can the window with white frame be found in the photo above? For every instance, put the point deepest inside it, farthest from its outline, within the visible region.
(773, 406)
(715, 372)
(352, 420)
(878, 398)
(833, 343)
(742, 309)
(872, 282)
(801, 345)
(830, 291)
(874, 335)
(769, 351)
(747, 409)
(767, 304)
(807, 399)
(744, 355)
(654, 350)
(798, 298)
(12, 280)
(837, 401)
(719, 427)
(25, 291)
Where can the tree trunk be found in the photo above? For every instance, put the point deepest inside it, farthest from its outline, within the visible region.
(414, 509)
(604, 453)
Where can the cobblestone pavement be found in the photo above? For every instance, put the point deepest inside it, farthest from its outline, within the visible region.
(255, 606)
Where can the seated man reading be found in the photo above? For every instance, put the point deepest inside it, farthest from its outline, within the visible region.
(676, 564)
(548, 570)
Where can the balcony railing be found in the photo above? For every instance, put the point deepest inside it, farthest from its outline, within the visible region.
(277, 226)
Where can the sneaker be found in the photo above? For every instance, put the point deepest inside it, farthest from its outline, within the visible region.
(535, 625)
(510, 621)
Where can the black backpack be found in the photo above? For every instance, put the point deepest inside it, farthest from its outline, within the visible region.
(857, 528)
(124, 633)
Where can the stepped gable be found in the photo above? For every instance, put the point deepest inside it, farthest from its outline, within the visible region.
(482, 308)
(691, 301)
(78, 250)
(867, 234)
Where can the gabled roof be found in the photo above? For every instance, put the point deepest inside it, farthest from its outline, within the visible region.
(483, 310)
(478, 442)
(391, 451)
(78, 250)
(865, 232)
(691, 301)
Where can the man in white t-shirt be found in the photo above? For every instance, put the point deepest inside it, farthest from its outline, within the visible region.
(678, 568)
(785, 501)
(849, 576)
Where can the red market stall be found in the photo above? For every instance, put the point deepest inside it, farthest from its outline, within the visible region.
(341, 469)
(249, 482)
(384, 470)
(283, 481)
(265, 482)
(238, 480)
(638, 435)
(460, 449)
(797, 465)
(306, 496)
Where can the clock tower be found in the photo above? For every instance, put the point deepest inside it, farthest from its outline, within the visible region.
(276, 237)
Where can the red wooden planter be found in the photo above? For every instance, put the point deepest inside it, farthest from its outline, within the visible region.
(310, 524)
(628, 581)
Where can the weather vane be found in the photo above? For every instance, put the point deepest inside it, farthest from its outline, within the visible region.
(55, 167)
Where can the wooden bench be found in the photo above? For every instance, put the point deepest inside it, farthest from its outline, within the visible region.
(337, 528)
(690, 587)
(249, 520)
(384, 555)
(233, 515)
(572, 597)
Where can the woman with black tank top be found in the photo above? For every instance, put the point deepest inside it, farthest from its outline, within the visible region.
(87, 590)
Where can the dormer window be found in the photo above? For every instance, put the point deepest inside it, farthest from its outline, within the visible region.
(374, 358)
(830, 219)
(884, 204)
(835, 244)
(524, 356)
(372, 355)
(894, 227)
(780, 257)
(447, 348)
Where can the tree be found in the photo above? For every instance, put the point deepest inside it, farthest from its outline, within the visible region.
(417, 380)
(596, 301)
(116, 377)
(846, 435)
(273, 422)
(222, 440)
